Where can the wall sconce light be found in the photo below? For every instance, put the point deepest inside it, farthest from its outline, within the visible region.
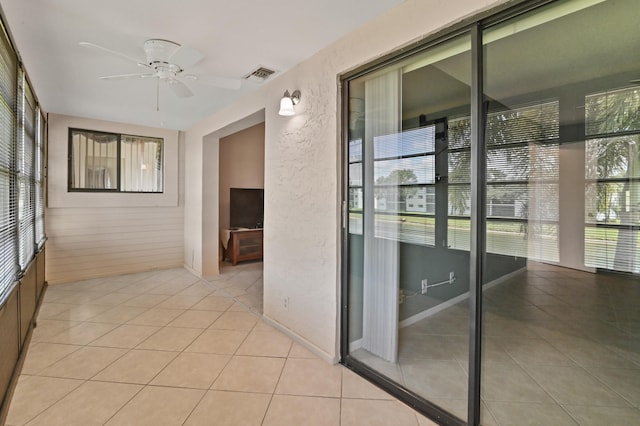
(288, 101)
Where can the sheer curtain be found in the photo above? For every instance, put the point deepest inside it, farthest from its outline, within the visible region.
(381, 269)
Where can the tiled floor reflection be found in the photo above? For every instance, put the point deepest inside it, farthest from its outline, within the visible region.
(166, 348)
(561, 347)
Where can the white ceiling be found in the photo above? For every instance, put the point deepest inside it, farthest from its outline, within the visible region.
(235, 36)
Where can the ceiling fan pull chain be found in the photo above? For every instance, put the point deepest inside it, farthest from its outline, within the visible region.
(157, 94)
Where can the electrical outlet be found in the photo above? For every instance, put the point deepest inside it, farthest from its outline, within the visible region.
(452, 277)
(285, 303)
(425, 286)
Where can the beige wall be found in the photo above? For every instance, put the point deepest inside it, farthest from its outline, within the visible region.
(241, 165)
(98, 234)
(303, 169)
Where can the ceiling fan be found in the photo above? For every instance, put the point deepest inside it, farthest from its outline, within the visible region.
(166, 61)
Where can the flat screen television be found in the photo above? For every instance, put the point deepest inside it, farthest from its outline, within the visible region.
(246, 208)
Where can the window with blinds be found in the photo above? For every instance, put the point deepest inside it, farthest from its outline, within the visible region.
(404, 185)
(612, 180)
(22, 159)
(101, 161)
(39, 178)
(522, 181)
(26, 171)
(356, 194)
(8, 172)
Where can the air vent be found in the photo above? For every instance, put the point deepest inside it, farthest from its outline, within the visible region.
(260, 74)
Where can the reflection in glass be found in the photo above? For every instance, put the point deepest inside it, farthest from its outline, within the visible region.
(561, 121)
(562, 127)
(612, 179)
(408, 288)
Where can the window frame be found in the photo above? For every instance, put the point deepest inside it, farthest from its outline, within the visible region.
(9, 235)
(593, 259)
(22, 169)
(118, 136)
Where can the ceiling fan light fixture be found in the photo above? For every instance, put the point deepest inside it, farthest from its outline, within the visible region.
(165, 61)
(157, 50)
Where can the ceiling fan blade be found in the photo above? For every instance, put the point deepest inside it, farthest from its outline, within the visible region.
(211, 80)
(125, 76)
(185, 57)
(179, 88)
(113, 52)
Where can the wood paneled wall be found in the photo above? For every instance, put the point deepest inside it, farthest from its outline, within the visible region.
(88, 243)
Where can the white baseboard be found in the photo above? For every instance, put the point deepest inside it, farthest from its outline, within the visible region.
(449, 303)
(355, 345)
(302, 341)
(193, 271)
(432, 311)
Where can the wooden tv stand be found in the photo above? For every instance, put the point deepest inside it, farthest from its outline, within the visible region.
(244, 244)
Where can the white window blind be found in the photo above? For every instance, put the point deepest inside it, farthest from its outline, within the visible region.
(612, 180)
(26, 187)
(8, 207)
(522, 181)
(404, 185)
(39, 179)
(356, 194)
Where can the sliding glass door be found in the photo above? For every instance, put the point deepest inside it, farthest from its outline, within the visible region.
(492, 218)
(408, 227)
(561, 343)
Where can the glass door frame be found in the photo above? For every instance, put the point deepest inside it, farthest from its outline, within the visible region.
(474, 28)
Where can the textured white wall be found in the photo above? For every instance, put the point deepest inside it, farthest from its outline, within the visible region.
(303, 167)
(99, 234)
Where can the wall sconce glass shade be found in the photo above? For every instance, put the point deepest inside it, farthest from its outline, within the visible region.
(286, 105)
(287, 102)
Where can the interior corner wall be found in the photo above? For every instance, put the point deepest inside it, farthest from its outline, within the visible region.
(210, 197)
(241, 165)
(201, 221)
(101, 234)
(303, 169)
(193, 217)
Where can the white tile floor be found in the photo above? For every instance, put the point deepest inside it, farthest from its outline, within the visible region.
(165, 348)
(562, 347)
